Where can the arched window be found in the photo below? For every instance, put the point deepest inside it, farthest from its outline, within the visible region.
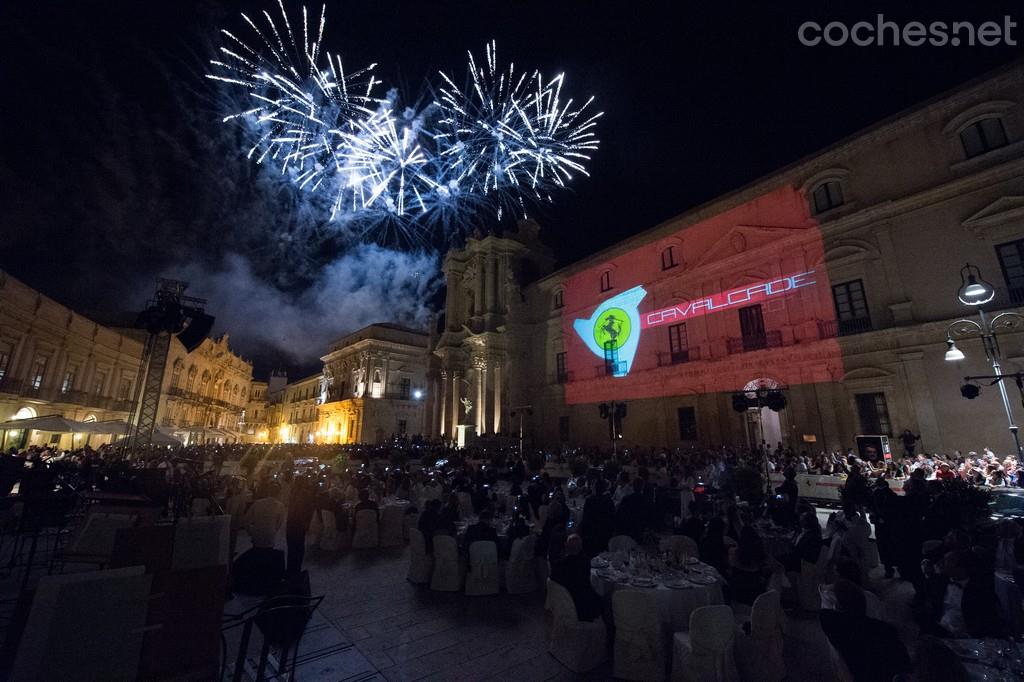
(25, 413)
(190, 383)
(606, 280)
(377, 389)
(826, 196)
(204, 386)
(176, 374)
(983, 136)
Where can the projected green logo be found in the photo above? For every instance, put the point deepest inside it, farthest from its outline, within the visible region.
(612, 328)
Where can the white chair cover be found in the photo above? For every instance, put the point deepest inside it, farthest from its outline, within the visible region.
(706, 651)
(330, 538)
(639, 647)
(483, 575)
(97, 535)
(465, 505)
(421, 564)
(542, 515)
(411, 520)
(315, 530)
(621, 543)
(447, 576)
(811, 576)
(759, 654)
(520, 571)
(578, 645)
(392, 530)
(365, 535)
(679, 545)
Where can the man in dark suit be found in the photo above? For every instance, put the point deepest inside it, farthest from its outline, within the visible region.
(962, 600)
(428, 522)
(632, 517)
(572, 572)
(598, 523)
(482, 531)
(871, 648)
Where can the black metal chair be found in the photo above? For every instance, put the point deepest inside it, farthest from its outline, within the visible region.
(281, 621)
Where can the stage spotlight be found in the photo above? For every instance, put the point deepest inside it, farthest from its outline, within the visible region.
(775, 401)
(969, 391)
(740, 402)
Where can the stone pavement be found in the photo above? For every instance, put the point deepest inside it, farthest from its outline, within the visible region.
(399, 631)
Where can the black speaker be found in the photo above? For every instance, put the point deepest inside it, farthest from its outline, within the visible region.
(198, 328)
(740, 402)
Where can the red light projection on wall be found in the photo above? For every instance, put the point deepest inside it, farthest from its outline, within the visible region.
(732, 298)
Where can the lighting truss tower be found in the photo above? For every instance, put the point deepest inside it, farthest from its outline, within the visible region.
(169, 313)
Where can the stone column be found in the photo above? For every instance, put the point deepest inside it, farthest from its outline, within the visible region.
(497, 398)
(481, 416)
(456, 405)
(479, 303)
(488, 284)
(26, 357)
(443, 402)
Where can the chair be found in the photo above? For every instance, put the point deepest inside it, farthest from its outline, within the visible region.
(621, 543)
(809, 581)
(578, 645)
(759, 654)
(421, 564)
(282, 622)
(483, 575)
(706, 651)
(330, 538)
(392, 526)
(411, 520)
(365, 535)
(542, 515)
(520, 571)
(639, 646)
(447, 575)
(465, 505)
(679, 545)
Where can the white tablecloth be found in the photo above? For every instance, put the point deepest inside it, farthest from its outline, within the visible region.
(991, 660)
(674, 605)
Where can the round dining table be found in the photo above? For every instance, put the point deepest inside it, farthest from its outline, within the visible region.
(677, 591)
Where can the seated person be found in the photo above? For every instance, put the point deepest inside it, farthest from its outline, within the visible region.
(806, 545)
(482, 530)
(961, 599)
(428, 522)
(365, 502)
(713, 550)
(871, 648)
(572, 572)
(448, 516)
(749, 567)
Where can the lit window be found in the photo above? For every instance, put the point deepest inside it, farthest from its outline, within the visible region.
(983, 136)
(38, 370)
(4, 359)
(668, 258)
(98, 381)
(69, 380)
(827, 195)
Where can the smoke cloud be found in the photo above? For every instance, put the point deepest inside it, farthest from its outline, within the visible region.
(366, 285)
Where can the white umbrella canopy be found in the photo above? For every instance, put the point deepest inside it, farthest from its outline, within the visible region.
(159, 438)
(53, 423)
(106, 426)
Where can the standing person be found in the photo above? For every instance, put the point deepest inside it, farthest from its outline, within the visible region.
(301, 505)
(909, 441)
(883, 511)
(598, 523)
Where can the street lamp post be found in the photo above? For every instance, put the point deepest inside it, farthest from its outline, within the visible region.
(975, 291)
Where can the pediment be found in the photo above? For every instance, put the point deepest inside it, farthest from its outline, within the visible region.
(1000, 218)
(743, 238)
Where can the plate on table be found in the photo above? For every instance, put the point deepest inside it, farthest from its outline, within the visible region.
(641, 582)
(678, 584)
(701, 579)
(692, 561)
(598, 562)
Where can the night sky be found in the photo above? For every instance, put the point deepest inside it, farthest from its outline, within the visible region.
(115, 168)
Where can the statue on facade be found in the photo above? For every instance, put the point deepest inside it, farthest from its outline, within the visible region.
(467, 405)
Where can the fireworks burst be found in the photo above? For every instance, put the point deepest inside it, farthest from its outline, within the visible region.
(504, 141)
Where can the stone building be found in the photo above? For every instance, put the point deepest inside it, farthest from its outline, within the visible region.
(374, 385)
(299, 411)
(54, 361)
(205, 392)
(256, 424)
(834, 279)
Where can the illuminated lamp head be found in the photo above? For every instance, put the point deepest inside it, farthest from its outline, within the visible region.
(612, 333)
(974, 290)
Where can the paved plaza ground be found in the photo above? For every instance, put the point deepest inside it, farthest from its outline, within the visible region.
(374, 625)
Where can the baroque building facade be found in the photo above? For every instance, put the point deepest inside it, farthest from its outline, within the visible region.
(833, 279)
(54, 361)
(205, 392)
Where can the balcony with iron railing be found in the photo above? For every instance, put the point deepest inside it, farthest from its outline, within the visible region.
(830, 329)
(753, 342)
(678, 357)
